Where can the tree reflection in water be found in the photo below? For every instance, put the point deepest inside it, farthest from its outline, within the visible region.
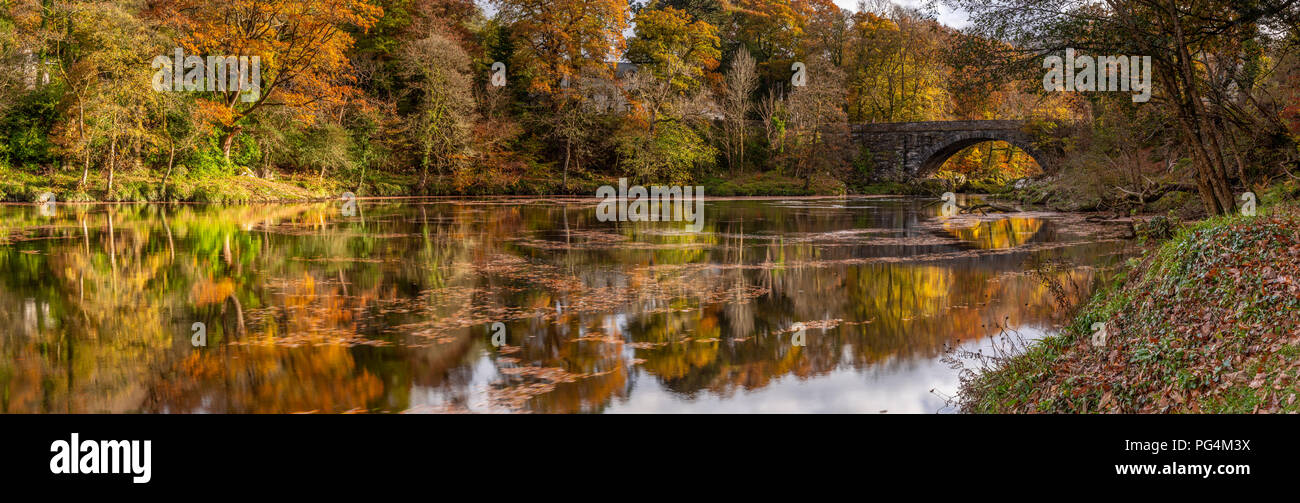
(388, 311)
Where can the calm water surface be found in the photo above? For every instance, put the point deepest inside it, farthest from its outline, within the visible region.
(392, 309)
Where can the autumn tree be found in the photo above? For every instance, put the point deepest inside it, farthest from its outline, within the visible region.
(827, 31)
(674, 47)
(895, 68)
(406, 20)
(556, 40)
(552, 48)
(772, 31)
(677, 52)
(302, 46)
(660, 141)
(1201, 54)
(715, 12)
(817, 125)
(101, 57)
(737, 102)
(440, 91)
(22, 49)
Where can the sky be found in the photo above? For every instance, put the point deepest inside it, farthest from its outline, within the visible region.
(946, 15)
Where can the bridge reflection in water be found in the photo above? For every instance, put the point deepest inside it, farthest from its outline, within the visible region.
(391, 310)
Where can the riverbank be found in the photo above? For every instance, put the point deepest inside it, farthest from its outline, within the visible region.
(1207, 321)
(20, 186)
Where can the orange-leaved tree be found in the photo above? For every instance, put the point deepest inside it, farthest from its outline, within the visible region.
(563, 39)
(302, 46)
(772, 31)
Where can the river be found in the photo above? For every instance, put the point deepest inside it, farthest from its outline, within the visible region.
(777, 305)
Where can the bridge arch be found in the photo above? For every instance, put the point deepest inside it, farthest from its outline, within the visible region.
(936, 155)
(914, 149)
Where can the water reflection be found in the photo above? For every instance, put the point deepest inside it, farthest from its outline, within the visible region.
(389, 309)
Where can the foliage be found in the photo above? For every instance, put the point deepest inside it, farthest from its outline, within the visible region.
(440, 98)
(675, 48)
(557, 40)
(669, 155)
(395, 96)
(27, 126)
(1205, 59)
(301, 45)
(1202, 324)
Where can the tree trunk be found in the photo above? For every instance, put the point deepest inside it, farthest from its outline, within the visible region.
(1211, 178)
(112, 165)
(564, 181)
(171, 158)
(229, 139)
(740, 144)
(81, 128)
(361, 180)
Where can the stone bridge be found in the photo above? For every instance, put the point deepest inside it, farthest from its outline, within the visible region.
(917, 149)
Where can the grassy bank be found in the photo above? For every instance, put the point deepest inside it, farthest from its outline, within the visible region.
(1208, 321)
(148, 186)
(24, 186)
